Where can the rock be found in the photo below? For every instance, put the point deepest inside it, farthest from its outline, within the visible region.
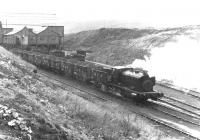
(29, 130)
(4, 107)
(13, 110)
(12, 122)
(84, 137)
(29, 137)
(20, 119)
(5, 114)
(8, 111)
(44, 102)
(6, 137)
(23, 127)
(1, 112)
(15, 115)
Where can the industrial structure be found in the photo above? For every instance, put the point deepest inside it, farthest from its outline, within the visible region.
(3, 31)
(48, 39)
(20, 38)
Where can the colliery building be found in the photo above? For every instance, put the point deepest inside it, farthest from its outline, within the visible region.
(48, 39)
(3, 31)
(20, 38)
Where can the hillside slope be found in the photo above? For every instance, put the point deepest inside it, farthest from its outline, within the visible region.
(34, 107)
(117, 46)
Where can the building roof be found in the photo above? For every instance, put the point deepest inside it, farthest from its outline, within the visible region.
(5, 30)
(19, 31)
(39, 29)
(58, 30)
(14, 31)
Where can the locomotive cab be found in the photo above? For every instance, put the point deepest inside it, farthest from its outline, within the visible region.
(136, 79)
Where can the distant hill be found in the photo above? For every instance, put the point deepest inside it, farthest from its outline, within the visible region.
(118, 46)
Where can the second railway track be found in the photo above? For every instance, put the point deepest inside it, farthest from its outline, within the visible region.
(181, 105)
(191, 93)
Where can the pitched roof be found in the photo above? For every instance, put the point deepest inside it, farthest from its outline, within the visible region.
(39, 29)
(58, 30)
(14, 31)
(18, 30)
(5, 30)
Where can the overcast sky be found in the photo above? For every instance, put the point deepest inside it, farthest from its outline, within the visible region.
(78, 15)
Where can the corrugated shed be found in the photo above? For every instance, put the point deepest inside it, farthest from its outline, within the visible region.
(14, 31)
(57, 29)
(52, 35)
(4, 31)
(24, 36)
(9, 39)
(46, 36)
(38, 29)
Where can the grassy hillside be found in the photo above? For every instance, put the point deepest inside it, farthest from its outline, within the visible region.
(118, 46)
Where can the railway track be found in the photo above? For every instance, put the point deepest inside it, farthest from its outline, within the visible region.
(78, 88)
(191, 93)
(172, 113)
(184, 106)
(177, 112)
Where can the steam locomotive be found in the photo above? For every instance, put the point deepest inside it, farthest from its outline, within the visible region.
(134, 83)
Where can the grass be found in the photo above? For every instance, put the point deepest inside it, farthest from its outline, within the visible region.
(103, 123)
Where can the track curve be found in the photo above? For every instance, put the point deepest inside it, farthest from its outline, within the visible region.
(154, 117)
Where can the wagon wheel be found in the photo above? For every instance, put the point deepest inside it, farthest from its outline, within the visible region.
(104, 88)
(141, 99)
(123, 93)
(96, 84)
(83, 78)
